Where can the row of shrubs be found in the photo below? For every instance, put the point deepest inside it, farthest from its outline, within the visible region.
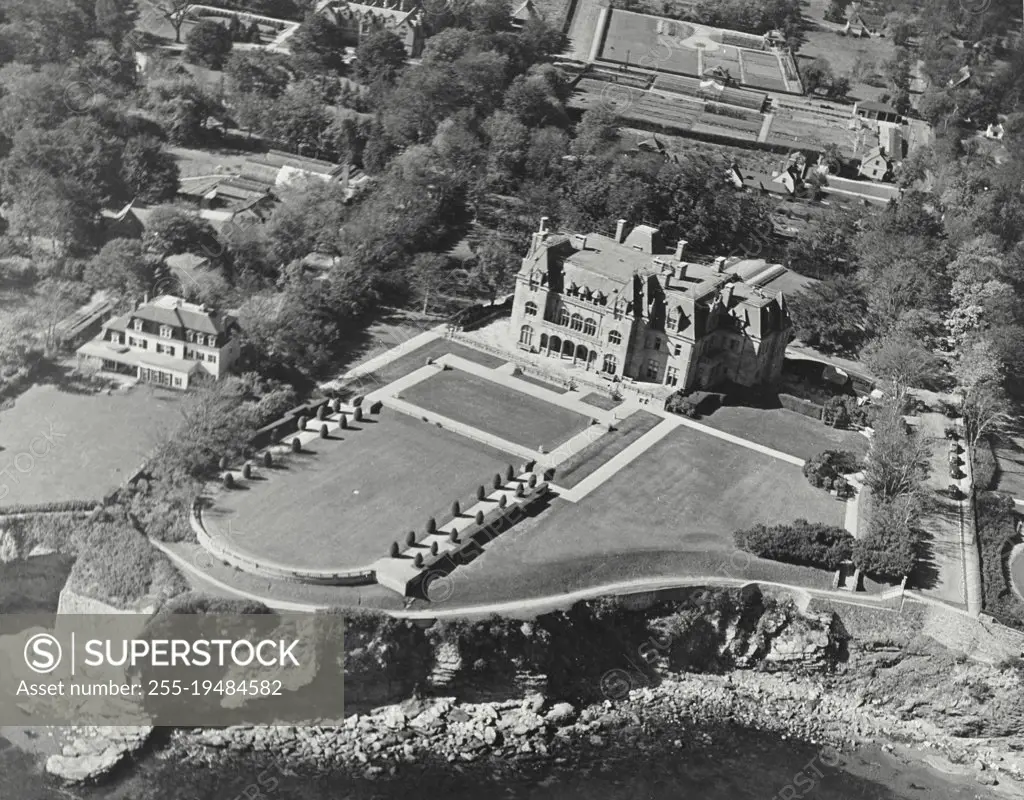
(983, 465)
(809, 544)
(50, 508)
(842, 411)
(997, 534)
(496, 482)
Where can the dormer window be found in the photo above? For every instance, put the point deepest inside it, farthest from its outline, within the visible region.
(137, 324)
(165, 331)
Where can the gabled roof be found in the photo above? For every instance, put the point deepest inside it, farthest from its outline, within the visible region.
(170, 310)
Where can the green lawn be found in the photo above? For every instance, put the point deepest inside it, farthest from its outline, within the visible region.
(672, 512)
(343, 502)
(514, 416)
(58, 445)
(583, 463)
(601, 401)
(412, 361)
(784, 430)
(551, 387)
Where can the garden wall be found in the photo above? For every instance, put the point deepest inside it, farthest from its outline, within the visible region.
(801, 406)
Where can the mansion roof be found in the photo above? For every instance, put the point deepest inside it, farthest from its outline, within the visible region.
(170, 310)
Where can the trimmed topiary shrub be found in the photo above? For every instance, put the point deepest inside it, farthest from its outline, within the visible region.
(229, 480)
(529, 465)
(357, 401)
(358, 414)
(453, 537)
(268, 459)
(343, 420)
(549, 474)
(433, 548)
(503, 501)
(510, 473)
(456, 508)
(418, 560)
(336, 405)
(479, 519)
(532, 480)
(301, 424)
(410, 538)
(246, 471)
(296, 445)
(496, 481)
(223, 463)
(376, 406)
(431, 525)
(323, 431)
(520, 491)
(321, 411)
(394, 550)
(481, 493)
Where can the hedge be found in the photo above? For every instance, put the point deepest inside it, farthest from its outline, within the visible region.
(50, 508)
(997, 534)
(801, 406)
(693, 405)
(811, 544)
(983, 462)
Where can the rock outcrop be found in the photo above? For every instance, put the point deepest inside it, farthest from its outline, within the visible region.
(92, 753)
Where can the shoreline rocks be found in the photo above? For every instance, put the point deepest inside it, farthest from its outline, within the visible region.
(91, 753)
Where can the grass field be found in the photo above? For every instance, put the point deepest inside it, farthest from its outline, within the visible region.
(634, 39)
(597, 453)
(58, 445)
(784, 430)
(343, 502)
(672, 512)
(514, 416)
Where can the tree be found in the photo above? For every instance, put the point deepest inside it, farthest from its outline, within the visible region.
(318, 46)
(208, 44)
(429, 275)
(904, 363)
(380, 57)
(825, 249)
(45, 31)
(889, 549)
(817, 75)
(174, 12)
(116, 19)
(830, 315)
(52, 301)
(183, 109)
(898, 459)
(170, 231)
(984, 409)
(496, 262)
(122, 267)
(149, 172)
(258, 72)
(597, 132)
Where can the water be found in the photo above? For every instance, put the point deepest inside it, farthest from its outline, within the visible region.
(745, 766)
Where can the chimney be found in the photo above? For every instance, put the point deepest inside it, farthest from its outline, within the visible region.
(720, 264)
(580, 241)
(543, 225)
(620, 231)
(680, 246)
(726, 294)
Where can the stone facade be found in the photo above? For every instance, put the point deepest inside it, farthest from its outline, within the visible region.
(621, 307)
(359, 20)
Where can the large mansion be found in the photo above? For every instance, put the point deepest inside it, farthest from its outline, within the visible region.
(620, 306)
(359, 20)
(166, 341)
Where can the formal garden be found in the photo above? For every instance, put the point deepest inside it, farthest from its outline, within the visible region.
(342, 500)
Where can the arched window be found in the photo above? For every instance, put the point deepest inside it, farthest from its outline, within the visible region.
(526, 335)
(577, 322)
(609, 363)
(589, 326)
(614, 338)
(563, 317)
(530, 309)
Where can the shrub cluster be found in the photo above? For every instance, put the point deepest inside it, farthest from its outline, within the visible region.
(842, 411)
(889, 550)
(997, 534)
(827, 469)
(693, 405)
(983, 463)
(811, 544)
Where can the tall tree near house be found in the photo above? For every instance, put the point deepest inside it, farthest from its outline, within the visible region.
(430, 275)
(380, 57)
(495, 265)
(904, 363)
(208, 44)
(149, 172)
(52, 302)
(170, 231)
(318, 46)
(173, 11)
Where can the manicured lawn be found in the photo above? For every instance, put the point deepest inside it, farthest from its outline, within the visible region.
(551, 387)
(579, 465)
(784, 430)
(95, 441)
(672, 512)
(601, 401)
(412, 361)
(342, 503)
(514, 416)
